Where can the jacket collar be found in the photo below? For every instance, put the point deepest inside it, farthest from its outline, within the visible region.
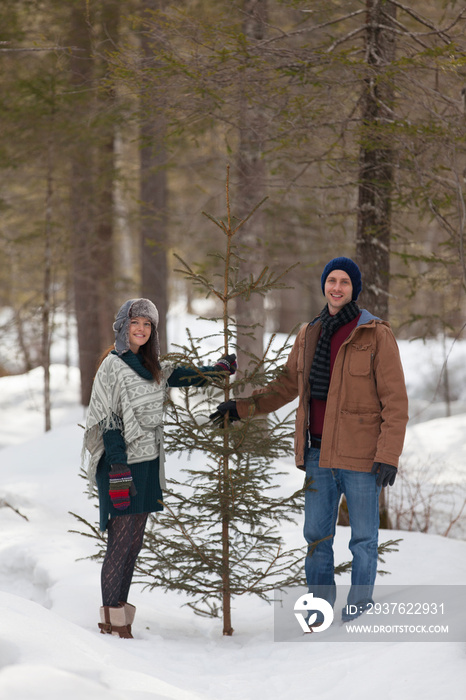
(366, 317)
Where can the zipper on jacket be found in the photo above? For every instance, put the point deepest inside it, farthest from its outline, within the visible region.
(372, 372)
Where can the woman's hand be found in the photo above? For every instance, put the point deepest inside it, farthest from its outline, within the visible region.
(120, 486)
(227, 363)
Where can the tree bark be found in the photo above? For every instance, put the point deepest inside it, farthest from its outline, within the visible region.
(82, 210)
(154, 190)
(105, 224)
(376, 160)
(47, 303)
(376, 170)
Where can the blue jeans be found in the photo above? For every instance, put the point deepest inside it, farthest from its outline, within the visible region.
(322, 499)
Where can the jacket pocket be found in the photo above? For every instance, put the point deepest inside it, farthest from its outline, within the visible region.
(360, 360)
(358, 434)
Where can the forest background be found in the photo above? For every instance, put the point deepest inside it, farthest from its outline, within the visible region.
(345, 118)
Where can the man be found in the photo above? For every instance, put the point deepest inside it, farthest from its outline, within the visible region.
(350, 424)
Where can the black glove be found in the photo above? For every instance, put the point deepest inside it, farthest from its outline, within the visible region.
(222, 408)
(227, 363)
(386, 473)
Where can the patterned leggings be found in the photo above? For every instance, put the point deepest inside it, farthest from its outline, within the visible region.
(125, 535)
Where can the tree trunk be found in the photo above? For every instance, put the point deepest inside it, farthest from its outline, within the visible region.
(376, 169)
(376, 160)
(126, 259)
(225, 507)
(47, 303)
(154, 191)
(82, 210)
(290, 303)
(105, 239)
(251, 188)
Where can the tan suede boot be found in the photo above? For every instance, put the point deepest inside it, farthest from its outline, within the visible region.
(113, 621)
(130, 612)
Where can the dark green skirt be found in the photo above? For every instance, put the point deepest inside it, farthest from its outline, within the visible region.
(146, 480)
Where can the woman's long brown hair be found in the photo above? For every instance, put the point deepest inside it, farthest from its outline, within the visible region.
(147, 354)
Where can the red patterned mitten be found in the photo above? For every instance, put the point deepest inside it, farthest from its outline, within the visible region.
(120, 481)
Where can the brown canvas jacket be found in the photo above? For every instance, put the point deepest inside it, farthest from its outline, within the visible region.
(367, 405)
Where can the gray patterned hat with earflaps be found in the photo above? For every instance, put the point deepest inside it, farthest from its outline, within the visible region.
(129, 310)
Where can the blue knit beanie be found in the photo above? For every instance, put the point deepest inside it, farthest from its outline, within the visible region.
(351, 269)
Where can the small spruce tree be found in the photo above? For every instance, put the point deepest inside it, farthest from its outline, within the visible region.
(218, 536)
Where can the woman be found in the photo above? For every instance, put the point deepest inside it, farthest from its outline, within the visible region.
(124, 440)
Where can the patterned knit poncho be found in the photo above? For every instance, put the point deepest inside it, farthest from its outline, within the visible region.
(122, 399)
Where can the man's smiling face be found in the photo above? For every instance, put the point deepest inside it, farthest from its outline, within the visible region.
(338, 291)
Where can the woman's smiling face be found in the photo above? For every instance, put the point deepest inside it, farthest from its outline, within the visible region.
(140, 329)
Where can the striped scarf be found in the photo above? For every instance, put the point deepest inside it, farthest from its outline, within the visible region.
(320, 370)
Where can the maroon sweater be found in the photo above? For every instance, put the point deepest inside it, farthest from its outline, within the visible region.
(317, 408)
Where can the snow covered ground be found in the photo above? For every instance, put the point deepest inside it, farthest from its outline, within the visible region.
(49, 642)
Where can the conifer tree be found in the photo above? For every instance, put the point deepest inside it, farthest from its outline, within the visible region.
(218, 537)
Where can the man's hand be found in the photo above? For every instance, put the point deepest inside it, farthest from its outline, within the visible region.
(386, 473)
(226, 407)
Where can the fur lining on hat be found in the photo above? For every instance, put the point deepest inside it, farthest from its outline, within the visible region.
(144, 307)
(131, 309)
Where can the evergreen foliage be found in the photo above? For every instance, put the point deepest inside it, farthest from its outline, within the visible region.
(218, 537)
(178, 82)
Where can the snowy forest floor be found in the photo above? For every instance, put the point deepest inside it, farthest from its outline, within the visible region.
(49, 641)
